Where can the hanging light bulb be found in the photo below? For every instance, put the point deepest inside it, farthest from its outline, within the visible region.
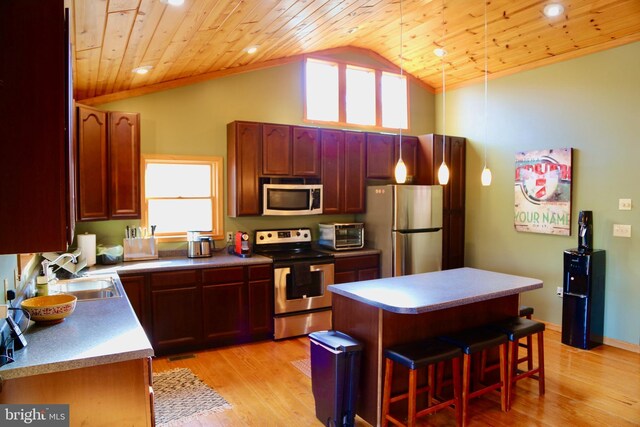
(401, 169)
(485, 178)
(443, 171)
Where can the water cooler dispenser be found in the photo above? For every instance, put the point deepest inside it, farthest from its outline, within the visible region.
(583, 290)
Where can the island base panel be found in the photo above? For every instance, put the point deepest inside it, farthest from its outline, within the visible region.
(377, 329)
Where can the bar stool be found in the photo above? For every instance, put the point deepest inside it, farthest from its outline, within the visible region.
(472, 341)
(526, 311)
(415, 356)
(515, 329)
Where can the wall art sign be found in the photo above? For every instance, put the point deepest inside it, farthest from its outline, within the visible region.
(543, 191)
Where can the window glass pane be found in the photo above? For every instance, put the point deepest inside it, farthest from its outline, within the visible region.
(361, 96)
(394, 101)
(178, 180)
(173, 216)
(322, 90)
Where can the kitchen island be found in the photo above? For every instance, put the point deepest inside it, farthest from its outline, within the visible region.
(385, 312)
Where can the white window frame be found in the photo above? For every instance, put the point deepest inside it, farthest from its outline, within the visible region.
(217, 194)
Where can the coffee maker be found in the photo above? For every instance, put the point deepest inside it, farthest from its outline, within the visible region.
(585, 231)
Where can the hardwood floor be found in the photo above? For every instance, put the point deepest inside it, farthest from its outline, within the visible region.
(600, 387)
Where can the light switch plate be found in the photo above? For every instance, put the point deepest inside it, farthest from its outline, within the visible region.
(624, 204)
(621, 230)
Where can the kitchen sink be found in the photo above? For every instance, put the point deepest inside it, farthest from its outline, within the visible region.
(87, 288)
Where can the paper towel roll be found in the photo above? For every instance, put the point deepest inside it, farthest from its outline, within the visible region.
(87, 246)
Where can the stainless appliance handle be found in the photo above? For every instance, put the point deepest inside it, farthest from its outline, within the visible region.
(571, 294)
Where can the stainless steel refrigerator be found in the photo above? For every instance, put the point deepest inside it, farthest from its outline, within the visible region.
(405, 223)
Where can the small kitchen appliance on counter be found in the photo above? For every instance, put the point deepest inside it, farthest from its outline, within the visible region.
(301, 275)
(341, 235)
(198, 246)
(241, 245)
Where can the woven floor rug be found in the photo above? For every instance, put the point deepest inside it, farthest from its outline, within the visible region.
(303, 365)
(180, 396)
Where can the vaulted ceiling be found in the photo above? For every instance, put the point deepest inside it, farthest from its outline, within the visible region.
(202, 39)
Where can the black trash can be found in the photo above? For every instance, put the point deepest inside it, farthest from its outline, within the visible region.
(335, 369)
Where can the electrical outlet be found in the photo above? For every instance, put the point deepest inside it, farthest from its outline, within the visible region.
(229, 236)
(559, 291)
(624, 204)
(621, 230)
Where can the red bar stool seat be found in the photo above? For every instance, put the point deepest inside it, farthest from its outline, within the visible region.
(415, 356)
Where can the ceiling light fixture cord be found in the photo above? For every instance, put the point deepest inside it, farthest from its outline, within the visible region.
(485, 177)
(401, 169)
(443, 171)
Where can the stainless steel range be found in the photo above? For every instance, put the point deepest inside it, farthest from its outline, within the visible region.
(301, 276)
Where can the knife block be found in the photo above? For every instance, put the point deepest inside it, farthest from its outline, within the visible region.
(140, 249)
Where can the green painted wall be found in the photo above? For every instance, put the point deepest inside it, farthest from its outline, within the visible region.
(193, 119)
(593, 105)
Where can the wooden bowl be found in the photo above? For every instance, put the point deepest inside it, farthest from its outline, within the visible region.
(50, 308)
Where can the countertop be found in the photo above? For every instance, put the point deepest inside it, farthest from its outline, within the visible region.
(219, 259)
(96, 333)
(420, 293)
(350, 252)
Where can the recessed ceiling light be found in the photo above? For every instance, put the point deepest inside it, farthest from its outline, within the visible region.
(173, 2)
(251, 50)
(553, 9)
(439, 52)
(142, 70)
(352, 30)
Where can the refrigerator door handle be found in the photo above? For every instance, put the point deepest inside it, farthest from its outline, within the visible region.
(575, 295)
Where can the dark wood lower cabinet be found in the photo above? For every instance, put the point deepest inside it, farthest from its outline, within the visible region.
(136, 290)
(357, 268)
(194, 309)
(223, 305)
(175, 310)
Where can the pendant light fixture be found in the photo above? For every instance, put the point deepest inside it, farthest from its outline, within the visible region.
(443, 171)
(401, 169)
(485, 178)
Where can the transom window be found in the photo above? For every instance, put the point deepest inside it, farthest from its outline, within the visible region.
(341, 93)
(182, 193)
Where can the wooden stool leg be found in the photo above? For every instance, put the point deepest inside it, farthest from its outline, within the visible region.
(430, 379)
(529, 352)
(413, 386)
(541, 363)
(386, 397)
(505, 377)
(456, 390)
(466, 379)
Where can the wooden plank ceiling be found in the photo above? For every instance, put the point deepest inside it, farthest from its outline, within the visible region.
(206, 38)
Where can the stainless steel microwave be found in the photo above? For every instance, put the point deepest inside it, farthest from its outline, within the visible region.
(291, 199)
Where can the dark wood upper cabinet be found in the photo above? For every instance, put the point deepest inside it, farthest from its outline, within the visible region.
(124, 164)
(93, 202)
(343, 171)
(332, 170)
(276, 150)
(35, 112)
(108, 176)
(244, 162)
(305, 147)
(380, 156)
(354, 172)
(409, 156)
